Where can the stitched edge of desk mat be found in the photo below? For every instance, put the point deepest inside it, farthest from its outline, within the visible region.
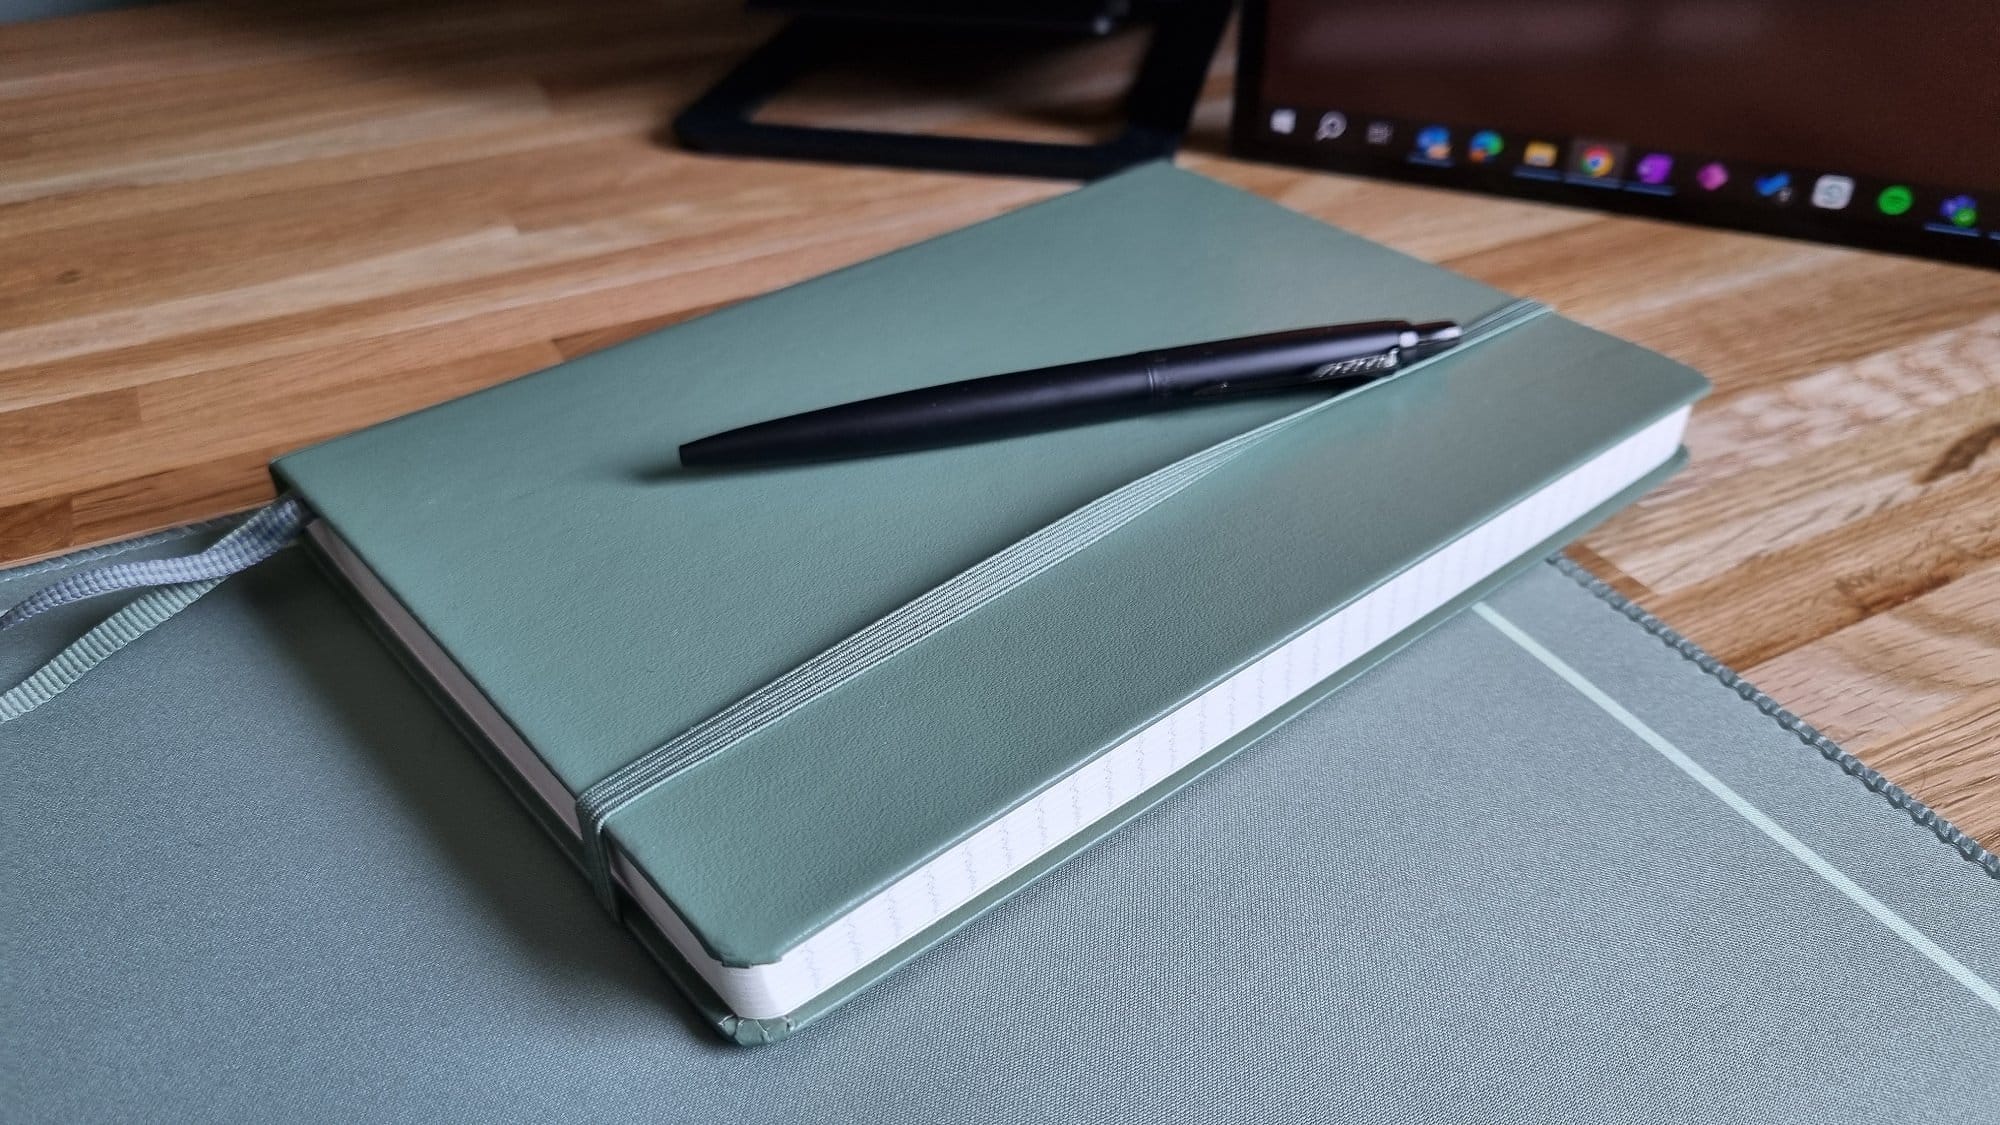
(1867, 775)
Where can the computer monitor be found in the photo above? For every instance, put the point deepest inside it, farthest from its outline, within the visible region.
(1867, 122)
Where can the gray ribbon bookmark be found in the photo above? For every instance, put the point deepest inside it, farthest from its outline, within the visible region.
(176, 583)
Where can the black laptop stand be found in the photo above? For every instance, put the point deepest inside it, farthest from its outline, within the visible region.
(1157, 105)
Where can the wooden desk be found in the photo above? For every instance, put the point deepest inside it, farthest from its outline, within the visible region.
(227, 232)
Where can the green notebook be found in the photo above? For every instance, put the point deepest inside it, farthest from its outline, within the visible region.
(801, 723)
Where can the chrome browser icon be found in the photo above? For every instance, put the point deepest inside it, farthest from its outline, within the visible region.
(1596, 160)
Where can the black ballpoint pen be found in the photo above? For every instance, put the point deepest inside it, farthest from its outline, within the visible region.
(1337, 357)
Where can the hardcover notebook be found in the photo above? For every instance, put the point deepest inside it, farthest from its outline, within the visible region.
(801, 723)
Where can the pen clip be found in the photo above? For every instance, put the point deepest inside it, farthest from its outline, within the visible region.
(1379, 364)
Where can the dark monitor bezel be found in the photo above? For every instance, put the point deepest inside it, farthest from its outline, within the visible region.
(1248, 138)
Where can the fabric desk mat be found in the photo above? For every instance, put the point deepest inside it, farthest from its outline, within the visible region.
(1540, 866)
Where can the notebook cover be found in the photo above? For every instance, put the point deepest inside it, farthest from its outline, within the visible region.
(606, 602)
(752, 1032)
(254, 876)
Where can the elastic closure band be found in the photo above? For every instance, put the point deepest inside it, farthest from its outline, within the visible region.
(944, 605)
(181, 581)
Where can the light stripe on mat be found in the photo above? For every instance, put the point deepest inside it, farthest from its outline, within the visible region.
(1740, 805)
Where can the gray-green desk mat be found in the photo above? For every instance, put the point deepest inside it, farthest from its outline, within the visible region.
(252, 875)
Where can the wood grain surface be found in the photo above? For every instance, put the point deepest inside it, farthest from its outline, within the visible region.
(227, 231)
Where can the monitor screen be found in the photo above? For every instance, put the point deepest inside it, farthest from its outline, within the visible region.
(1868, 122)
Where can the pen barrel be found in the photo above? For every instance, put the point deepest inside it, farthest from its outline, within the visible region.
(955, 413)
(1069, 394)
